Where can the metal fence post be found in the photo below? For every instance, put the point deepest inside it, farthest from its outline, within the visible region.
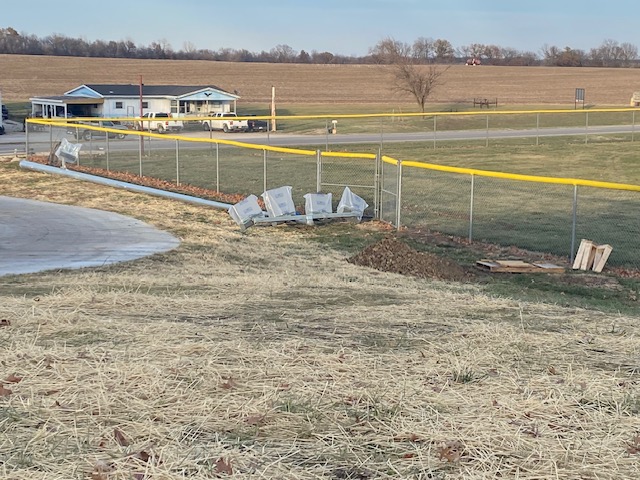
(537, 129)
(586, 127)
(107, 145)
(399, 195)
(318, 171)
(177, 162)
(217, 167)
(486, 143)
(326, 135)
(471, 208)
(381, 182)
(376, 187)
(264, 169)
(26, 140)
(51, 141)
(435, 128)
(633, 125)
(574, 223)
(140, 150)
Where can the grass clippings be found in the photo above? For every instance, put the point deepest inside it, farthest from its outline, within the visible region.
(267, 355)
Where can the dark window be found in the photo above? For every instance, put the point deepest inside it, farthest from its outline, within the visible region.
(119, 105)
(145, 104)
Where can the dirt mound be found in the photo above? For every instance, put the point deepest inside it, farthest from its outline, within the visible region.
(391, 255)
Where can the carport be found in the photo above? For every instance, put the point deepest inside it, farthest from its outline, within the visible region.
(65, 106)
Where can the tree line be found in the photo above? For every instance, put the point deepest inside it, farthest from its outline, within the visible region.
(423, 50)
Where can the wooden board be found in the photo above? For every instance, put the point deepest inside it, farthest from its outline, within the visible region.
(601, 257)
(517, 266)
(584, 245)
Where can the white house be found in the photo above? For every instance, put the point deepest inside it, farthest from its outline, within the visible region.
(112, 100)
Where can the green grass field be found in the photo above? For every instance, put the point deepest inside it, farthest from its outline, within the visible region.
(535, 216)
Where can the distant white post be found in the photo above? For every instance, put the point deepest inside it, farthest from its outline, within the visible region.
(273, 108)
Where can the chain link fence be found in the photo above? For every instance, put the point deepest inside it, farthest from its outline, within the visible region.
(547, 216)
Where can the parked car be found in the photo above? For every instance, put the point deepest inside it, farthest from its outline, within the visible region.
(160, 122)
(87, 134)
(227, 122)
(256, 125)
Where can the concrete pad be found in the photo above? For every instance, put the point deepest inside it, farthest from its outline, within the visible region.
(37, 236)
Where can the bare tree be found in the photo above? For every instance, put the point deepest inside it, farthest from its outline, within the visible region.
(391, 52)
(444, 51)
(409, 75)
(283, 54)
(423, 49)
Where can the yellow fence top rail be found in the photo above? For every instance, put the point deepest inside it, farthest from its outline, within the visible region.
(517, 176)
(429, 166)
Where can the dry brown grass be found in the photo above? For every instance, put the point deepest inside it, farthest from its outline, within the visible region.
(264, 355)
(23, 76)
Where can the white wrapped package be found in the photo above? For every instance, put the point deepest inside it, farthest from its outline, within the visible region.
(317, 203)
(278, 201)
(243, 211)
(350, 203)
(68, 152)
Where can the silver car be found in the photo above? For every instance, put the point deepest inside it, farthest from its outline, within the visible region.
(87, 134)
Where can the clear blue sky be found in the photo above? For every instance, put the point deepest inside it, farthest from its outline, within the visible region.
(348, 27)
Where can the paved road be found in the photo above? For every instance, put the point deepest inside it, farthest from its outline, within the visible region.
(15, 142)
(37, 236)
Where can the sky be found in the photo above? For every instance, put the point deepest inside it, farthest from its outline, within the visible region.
(346, 27)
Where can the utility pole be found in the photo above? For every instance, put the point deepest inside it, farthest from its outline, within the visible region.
(273, 108)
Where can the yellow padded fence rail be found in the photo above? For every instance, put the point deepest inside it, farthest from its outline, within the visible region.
(386, 159)
(514, 176)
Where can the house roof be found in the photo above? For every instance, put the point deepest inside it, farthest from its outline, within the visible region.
(120, 90)
(62, 99)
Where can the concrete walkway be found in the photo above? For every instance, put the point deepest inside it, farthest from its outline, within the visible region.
(37, 236)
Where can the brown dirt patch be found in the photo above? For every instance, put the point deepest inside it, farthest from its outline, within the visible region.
(392, 255)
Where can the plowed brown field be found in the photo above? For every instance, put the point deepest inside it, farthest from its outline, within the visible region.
(24, 76)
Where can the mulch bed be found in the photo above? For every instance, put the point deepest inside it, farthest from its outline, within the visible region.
(392, 255)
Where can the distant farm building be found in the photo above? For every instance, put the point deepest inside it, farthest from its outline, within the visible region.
(109, 100)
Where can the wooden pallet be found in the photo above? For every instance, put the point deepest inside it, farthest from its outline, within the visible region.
(517, 266)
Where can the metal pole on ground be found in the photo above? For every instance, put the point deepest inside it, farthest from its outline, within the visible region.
(107, 145)
(633, 125)
(537, 129)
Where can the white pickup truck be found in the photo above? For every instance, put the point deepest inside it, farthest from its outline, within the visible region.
(160, 122)
(227, 122)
